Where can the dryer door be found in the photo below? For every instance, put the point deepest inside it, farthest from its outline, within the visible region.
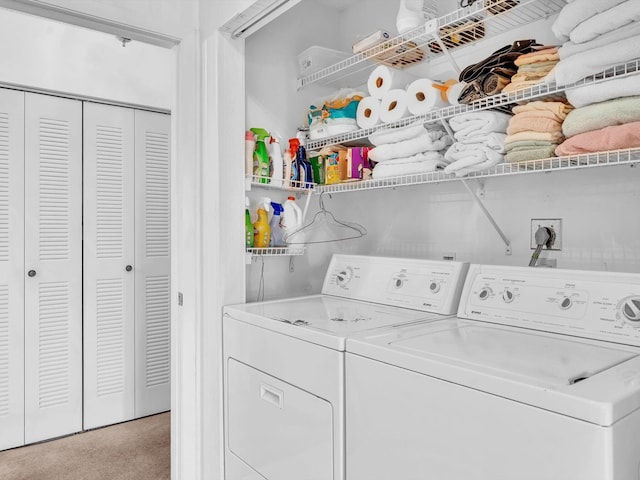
(280, 431)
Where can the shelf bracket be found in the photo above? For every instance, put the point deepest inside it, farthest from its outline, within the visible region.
(306, 207)
(432, 27)
(507, 243)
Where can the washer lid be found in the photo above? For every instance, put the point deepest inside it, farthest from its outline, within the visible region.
(587, 379)
(323, 319)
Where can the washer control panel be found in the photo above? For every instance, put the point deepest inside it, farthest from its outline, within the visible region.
(597, 305)
(428, 285)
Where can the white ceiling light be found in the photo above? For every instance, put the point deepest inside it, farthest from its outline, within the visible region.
(258, 14)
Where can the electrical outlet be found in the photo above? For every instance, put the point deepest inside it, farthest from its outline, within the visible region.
(555, 224)
(449, 256)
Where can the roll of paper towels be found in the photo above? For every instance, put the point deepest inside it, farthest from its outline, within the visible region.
(423, 96)
(368, 113)
(384, 78)
(393, 106)
(454, 92)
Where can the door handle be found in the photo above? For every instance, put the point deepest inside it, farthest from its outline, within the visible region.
(32, 273)
(128, 268)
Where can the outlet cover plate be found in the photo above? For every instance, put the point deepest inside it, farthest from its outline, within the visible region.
(555, 223)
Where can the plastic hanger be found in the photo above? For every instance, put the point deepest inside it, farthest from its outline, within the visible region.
(324, 228)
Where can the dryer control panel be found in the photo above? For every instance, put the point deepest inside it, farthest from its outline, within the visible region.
(427, 285)
(597, 305)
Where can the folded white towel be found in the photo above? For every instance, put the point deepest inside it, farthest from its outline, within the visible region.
(420, 157)
(600, 92)
(428, 141)
(478, 124)
(596, 60)
(385, 171)
(576, 12)
(467, 157)
(570, 48)
(394, 135)
(607, 21)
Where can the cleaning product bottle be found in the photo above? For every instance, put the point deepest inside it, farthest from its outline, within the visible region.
(248, 226)
(276, 162)
(276, 231)
(260, 155)
(304, 166)
(249, 147)
(291, 220)
(294, 143)
(261, 229)
(288, 161)
(410, 15)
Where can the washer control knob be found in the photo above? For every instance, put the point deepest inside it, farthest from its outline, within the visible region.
(343, 277)
(565, 303)
(485, 293)
(631, 310)
(398, 281)
(434, 287)
(507, 296)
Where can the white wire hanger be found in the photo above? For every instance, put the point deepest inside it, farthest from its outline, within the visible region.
(324, 228)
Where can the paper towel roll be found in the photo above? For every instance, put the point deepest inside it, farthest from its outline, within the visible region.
(384, 78)
(368, 113)
(393, 106)
(422, 96)
(454, 92)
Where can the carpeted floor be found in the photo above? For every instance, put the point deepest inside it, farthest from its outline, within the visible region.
(136, 450)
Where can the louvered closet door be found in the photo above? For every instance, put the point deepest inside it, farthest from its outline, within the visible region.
(53, 258)
(11, 268)
(152, 264)
(109, 334)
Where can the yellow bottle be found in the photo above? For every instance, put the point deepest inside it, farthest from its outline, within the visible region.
(261, 228)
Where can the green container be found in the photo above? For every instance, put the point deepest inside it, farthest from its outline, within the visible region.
(317, 165)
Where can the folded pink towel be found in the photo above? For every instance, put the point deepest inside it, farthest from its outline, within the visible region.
(609, 138)
(533, 124)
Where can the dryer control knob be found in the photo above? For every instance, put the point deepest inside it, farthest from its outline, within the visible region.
(631, 310)
(565, 303)
(507, 296)
(485, 293)
(434, 287)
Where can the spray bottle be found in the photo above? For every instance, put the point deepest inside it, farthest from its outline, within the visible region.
(260, 155)
(304, 166)
(276, 162)
(248, 226)
(276, 231)
(261, 229)
(294, 143)
(249, 147)
(288, 164)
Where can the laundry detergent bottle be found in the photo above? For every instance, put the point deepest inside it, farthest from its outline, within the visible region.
(248, 226)
(261, 155)
(291, 220)
(277, 233)
(261, 228)
(294, 143)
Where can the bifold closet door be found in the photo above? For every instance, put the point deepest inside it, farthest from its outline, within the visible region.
(53, 265)
(152, 263)
(11, 268)
(109, 224)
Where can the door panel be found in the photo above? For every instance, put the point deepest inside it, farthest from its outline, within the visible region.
(11, 268)
(108, 249)
(53, 256)
(152, 263)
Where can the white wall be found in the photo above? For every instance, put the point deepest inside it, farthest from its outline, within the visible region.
(51, 55)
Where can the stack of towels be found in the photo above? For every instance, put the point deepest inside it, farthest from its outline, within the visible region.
(406, 151)
(597, 35)
(479, 142)
(533, 68)
(610, 125)
(535, 131)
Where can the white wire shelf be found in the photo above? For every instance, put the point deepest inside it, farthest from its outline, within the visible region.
(252, 181)
(276, 251)
(451, 32)
(547, 91)
(572, 162)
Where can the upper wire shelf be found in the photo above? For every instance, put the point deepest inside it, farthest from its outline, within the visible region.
(571, 162)
(548, 91)
(458, 29)
(252, 181)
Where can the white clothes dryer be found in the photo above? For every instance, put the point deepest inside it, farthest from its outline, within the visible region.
(536, 378)
(284, 361)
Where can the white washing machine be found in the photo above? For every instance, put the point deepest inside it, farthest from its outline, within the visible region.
(536, 378)
(284, 361)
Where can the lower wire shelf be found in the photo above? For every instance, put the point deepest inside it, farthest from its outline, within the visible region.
(276, 251)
